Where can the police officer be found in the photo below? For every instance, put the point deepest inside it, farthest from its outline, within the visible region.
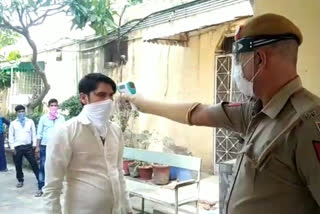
(278, 169)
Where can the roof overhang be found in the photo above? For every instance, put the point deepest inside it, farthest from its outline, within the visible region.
(21, 67)
(176, 32)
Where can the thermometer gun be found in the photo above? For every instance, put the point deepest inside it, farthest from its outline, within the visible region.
(128, 88)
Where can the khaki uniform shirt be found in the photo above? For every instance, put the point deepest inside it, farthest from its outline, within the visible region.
(278, 169)
(93, 171)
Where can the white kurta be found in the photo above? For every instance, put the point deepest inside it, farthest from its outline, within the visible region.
(93, 172)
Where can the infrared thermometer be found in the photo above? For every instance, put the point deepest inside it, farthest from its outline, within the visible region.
(128, 88)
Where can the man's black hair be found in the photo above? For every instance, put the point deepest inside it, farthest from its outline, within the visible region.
(19, 107)
(53, 100)
(90, 82)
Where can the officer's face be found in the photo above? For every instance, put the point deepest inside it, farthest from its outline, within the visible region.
(246, 60)
(254, 67)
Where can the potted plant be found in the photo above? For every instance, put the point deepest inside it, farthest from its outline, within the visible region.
(125, 165)
(161, 174)
(145, 171)
(142, 140)
(133, 169)
(122, 114)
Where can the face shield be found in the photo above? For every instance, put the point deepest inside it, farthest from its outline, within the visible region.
(243, 72)
(243, 59)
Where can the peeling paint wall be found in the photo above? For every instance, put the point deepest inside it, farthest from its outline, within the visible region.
(177, 74)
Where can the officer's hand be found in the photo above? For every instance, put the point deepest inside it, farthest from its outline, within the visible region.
(137, 100)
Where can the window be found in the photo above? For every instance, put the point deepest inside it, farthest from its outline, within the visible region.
(111, 53)
(227, 45)
(27, 82)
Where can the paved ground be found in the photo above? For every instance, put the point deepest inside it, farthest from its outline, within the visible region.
(20, 201)
(14, 200)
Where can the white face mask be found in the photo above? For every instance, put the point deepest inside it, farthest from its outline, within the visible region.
(245, 86)
(99, 114)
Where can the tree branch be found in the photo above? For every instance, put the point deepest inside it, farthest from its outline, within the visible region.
(7, 25)
(30, 19)
(35, 102)
(20, 14)
(43, 16)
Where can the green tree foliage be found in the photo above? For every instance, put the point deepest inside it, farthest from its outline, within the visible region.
(13, 55)
(7, 37)
(19, 16)
(97, 13)
(134, 2)
(5, 80)
(71, 107)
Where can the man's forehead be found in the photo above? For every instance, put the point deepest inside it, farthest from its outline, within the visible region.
(103, 87)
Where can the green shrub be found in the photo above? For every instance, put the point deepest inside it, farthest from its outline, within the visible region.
(71, 107)
(35, 116)
(11, 116)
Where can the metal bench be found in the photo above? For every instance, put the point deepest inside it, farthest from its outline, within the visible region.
(174, 194)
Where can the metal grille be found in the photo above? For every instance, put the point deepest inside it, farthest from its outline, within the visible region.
(26, 83)
(226, 142)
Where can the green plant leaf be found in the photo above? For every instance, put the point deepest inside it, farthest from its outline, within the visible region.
(72, 106)
(5, 80)
(13, 55)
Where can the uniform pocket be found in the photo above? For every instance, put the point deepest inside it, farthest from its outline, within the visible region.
(279, 170)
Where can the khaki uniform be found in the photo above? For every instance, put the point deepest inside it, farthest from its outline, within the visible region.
(278, 169)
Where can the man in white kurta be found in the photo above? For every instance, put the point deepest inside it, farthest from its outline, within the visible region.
(91, 164)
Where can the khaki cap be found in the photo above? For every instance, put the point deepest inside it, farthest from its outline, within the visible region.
(265, 29)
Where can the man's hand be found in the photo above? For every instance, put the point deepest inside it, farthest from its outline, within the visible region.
(37, 152)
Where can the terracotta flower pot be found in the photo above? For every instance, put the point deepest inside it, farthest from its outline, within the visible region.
(126, 166)
(145, 172)
(161, 174)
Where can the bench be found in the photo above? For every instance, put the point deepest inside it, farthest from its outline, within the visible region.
(174, 194)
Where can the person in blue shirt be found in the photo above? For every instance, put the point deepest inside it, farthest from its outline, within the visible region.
(46, 128)
(3, 160)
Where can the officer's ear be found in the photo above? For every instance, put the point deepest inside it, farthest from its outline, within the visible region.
(260, 59)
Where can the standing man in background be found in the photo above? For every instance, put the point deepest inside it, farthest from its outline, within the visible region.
(3, 161)
(22, 138)
(46, 128)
